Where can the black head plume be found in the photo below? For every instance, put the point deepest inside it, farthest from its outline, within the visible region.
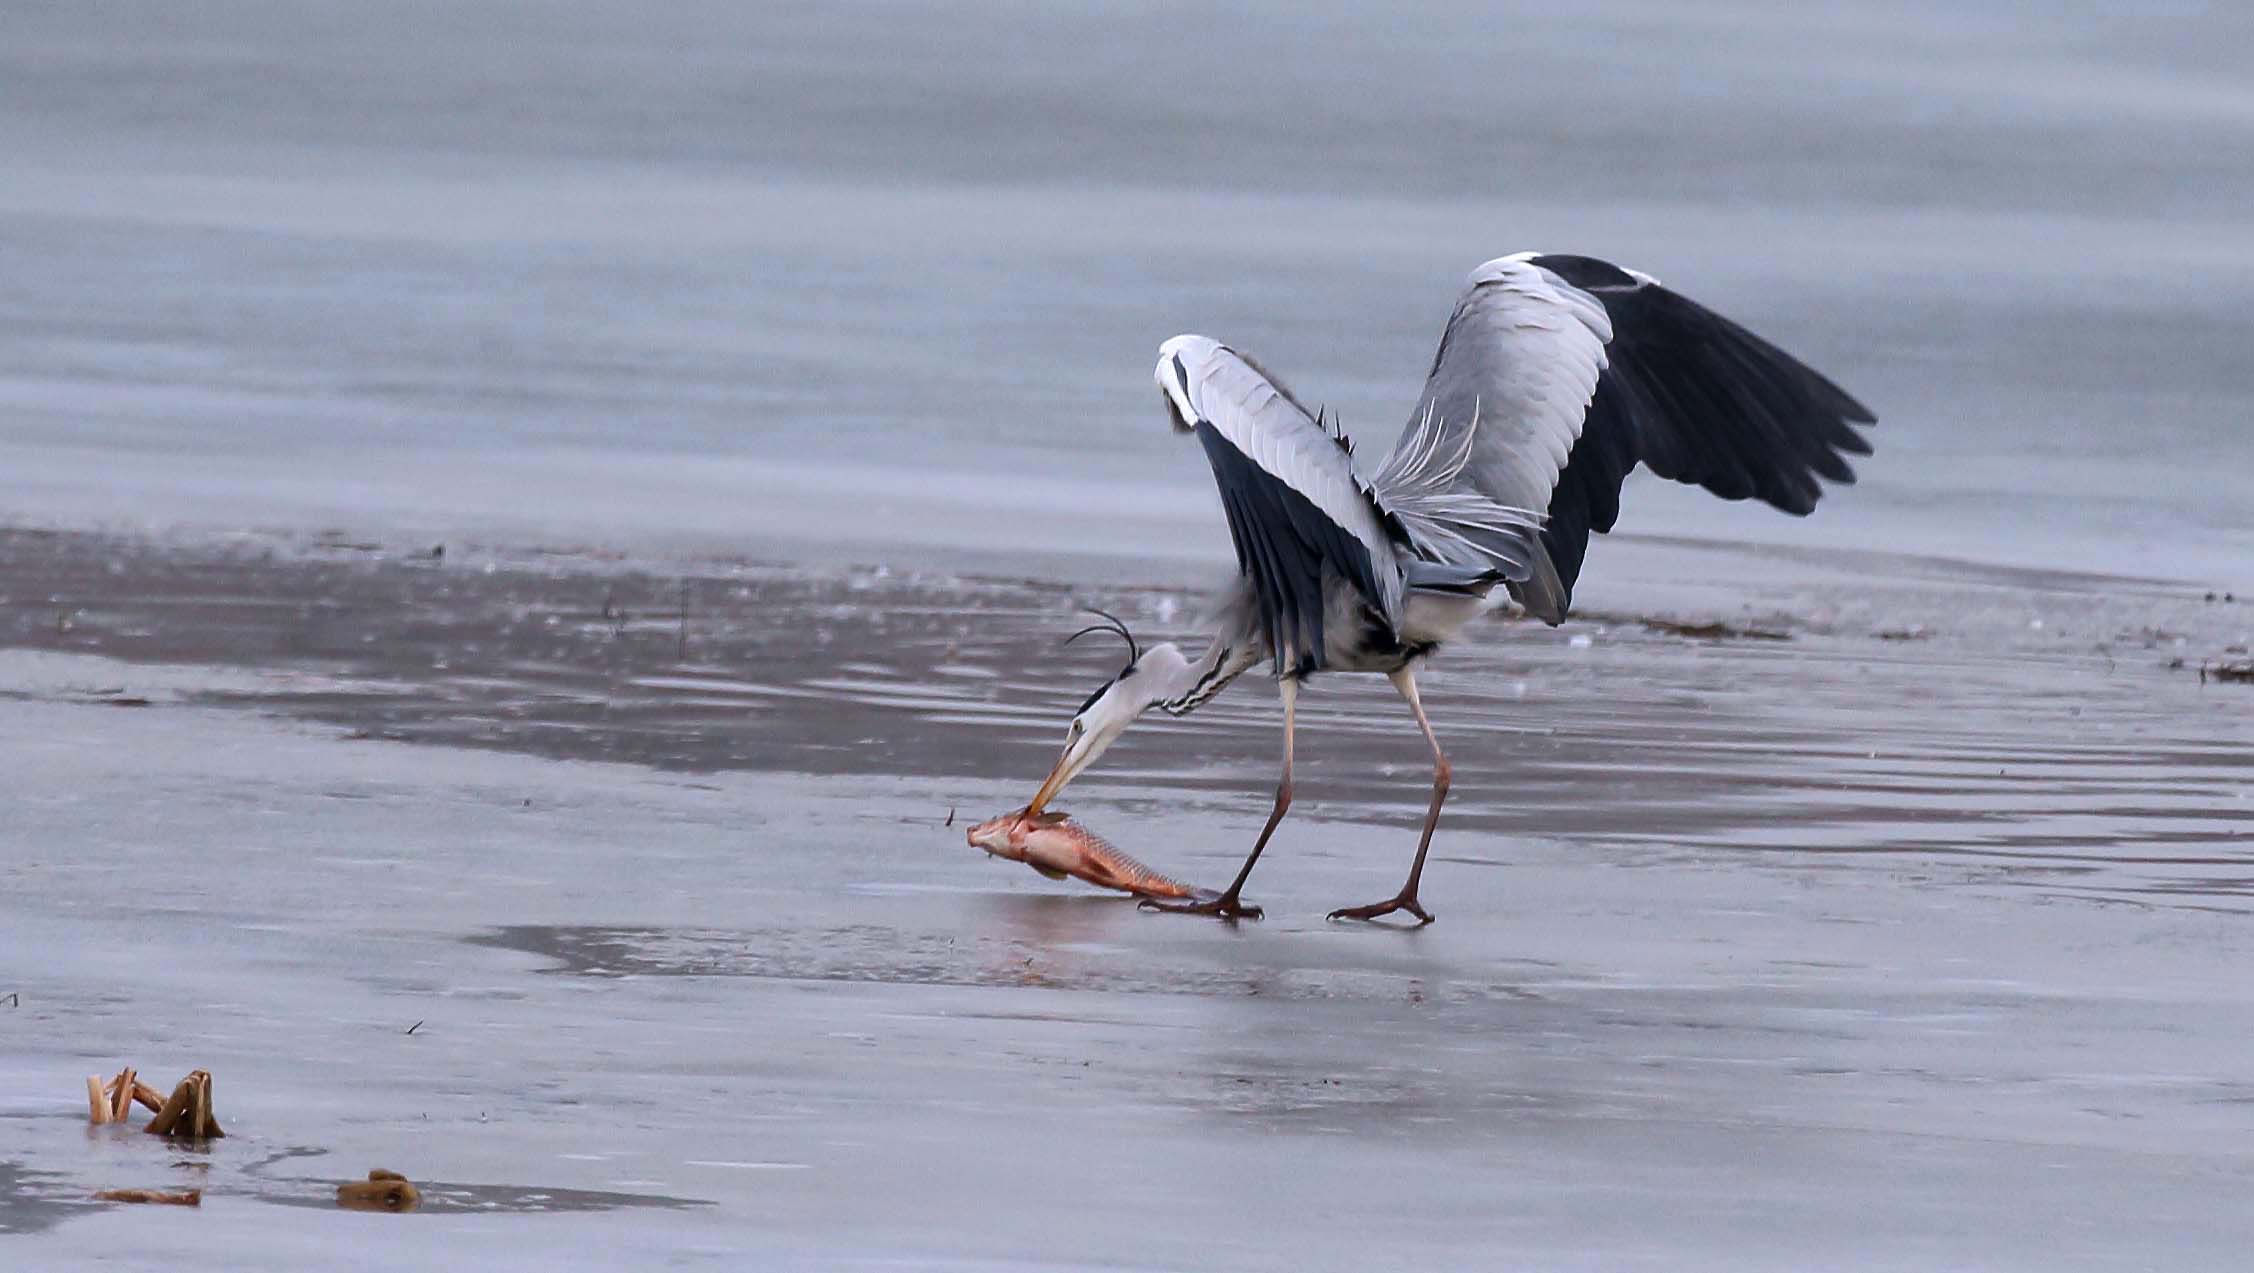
(1110, 623)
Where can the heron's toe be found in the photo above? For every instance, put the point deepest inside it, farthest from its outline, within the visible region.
(1387, 907)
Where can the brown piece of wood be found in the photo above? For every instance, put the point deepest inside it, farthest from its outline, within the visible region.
(206, 1126)
(167, 1121)
(381, 1191)
(184, 1198)
(210, 1120)
(97, 1105)
(147, 1095)
(188, 1112)
(121, 1095)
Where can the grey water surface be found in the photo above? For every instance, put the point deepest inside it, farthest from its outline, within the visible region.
(1863, 892)
(863, 273)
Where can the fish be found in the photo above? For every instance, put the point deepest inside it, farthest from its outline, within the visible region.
(1056, 846)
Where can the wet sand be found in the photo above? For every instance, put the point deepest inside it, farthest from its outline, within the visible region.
(1796, 910)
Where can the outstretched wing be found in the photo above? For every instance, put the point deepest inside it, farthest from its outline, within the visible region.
(1568, 372)
(1502, 408)
(1695, 398)
(1295, 508)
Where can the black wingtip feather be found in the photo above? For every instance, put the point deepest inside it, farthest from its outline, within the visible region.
(1696, 398)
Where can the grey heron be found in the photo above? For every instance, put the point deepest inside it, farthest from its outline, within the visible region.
(1556, 376)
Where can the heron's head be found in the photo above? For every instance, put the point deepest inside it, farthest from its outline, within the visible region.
(1112, 708)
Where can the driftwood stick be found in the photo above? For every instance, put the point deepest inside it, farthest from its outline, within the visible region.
(207, 1125)
(188, 1112)
(121, 1095)
(97, 1105)
(381, 1191)
(147, 1095)
(167, 1121)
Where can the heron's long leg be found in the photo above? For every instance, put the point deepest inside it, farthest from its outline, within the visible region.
(1405, 681)
(1290, 690)
(1230, 905)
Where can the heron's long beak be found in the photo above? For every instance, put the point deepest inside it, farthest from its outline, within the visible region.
(1054, 783)
(1080, 751)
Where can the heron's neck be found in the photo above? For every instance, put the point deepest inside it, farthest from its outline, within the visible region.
(1187, 684)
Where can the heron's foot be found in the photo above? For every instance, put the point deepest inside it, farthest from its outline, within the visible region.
(1405, 902)
(1221, 905)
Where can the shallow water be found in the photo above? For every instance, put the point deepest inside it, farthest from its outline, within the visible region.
(882, 279)
(794, 1020)
(1862, 904)
(2047, 729)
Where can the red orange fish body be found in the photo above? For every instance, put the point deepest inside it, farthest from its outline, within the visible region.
(1056, 846)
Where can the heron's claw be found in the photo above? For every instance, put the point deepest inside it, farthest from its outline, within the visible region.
(1224, 906)
(1405, 902)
